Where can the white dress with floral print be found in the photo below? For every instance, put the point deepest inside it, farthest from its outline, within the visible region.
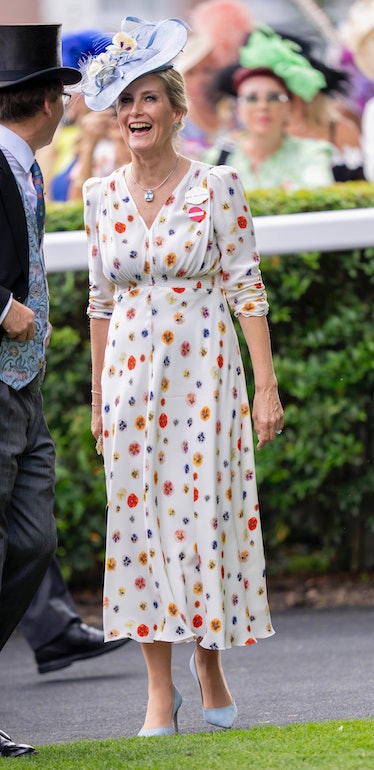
(184, 556)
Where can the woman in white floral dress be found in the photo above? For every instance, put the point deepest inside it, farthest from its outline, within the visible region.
(171, 250)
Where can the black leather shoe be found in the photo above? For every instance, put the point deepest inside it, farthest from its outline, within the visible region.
(78, 642)
(10, 749)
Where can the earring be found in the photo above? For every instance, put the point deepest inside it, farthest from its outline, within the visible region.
(176, 126)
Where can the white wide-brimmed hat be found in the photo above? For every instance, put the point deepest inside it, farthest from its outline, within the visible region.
(197, 48)
(358, 34)
(141, 47)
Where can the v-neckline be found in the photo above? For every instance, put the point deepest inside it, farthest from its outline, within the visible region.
(157, 215)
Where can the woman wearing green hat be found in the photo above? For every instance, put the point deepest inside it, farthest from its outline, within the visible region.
(270, 72)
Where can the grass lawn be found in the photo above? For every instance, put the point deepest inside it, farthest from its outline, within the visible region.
(345, 745)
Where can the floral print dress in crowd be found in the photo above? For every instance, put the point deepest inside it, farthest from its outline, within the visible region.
(184, 553)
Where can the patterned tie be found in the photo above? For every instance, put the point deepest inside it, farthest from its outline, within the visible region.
(37, 179)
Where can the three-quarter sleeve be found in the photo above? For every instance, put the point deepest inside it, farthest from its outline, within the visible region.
(234, 230)
(101, 289)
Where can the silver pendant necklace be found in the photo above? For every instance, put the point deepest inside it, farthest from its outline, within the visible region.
(149, 191)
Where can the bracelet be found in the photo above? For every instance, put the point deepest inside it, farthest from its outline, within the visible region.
(99, 444)
(96, 392)
(92, 404)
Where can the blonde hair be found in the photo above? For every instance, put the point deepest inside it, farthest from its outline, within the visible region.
(321, 111)
(175, 90)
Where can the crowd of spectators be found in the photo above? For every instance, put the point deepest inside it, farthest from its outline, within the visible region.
(306, 141)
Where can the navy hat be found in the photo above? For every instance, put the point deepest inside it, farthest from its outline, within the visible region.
(30, 52)
(77, 46)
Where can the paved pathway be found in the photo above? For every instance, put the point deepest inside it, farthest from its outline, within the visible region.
(319, 666)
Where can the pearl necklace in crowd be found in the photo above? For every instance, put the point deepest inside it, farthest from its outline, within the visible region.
(149, 191)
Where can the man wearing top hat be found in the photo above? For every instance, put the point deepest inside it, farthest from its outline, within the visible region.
(32, 81)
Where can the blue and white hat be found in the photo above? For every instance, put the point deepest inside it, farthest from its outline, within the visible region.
(139, 48)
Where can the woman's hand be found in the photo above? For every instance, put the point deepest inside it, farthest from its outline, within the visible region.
(97, 427)
(267, 413)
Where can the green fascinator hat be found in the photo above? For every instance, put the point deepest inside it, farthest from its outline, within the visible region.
(266, 49)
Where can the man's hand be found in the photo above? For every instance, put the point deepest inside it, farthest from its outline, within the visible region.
(19, 322)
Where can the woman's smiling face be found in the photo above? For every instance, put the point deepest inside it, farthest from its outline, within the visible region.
(145, 115)
(263, 105)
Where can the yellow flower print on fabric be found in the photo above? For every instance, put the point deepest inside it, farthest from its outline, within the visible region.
(140, 423)
(167, 337)
(205, 413)
(170, 259)
(215, 625)
(113, 633)
(172, 609)
(198, 459)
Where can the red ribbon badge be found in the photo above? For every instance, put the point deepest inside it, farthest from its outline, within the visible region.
(196, 214)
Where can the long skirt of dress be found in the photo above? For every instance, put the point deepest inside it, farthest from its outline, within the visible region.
(184, 556)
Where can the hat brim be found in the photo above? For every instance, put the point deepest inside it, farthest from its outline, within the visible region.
(108, 97)
(197, 49)
(68, 75)
(364, 55)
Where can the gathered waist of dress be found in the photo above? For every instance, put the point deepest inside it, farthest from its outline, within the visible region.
(177, 284)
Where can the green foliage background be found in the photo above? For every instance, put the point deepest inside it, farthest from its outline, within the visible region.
(316, 481)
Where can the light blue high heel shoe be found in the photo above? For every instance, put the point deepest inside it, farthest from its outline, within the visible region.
(221, 717)
(173, 728)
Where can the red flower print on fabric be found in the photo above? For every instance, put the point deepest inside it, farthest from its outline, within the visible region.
(242, 222)
(140, 583)
(185, 349)
(180, 535)
(197, 621)
(131, 364)
(252, 523)
(120, 227)
(132, 501)
(134, 448)
(142, 630)
(168, 488)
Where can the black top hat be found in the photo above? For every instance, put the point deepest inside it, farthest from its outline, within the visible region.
(32, 51)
